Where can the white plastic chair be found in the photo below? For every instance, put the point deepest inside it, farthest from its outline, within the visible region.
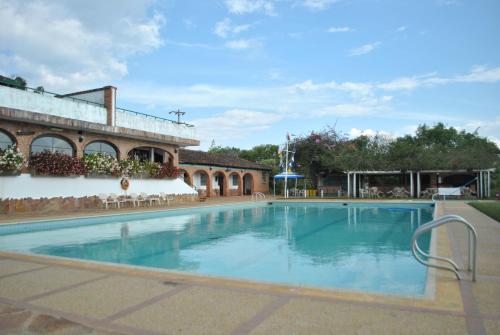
(150, 198)
(167, 197)
(109, 199)
(115, 199)
(135, 199)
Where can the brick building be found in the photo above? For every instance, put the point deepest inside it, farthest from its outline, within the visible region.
(89, 121)
(223, 175)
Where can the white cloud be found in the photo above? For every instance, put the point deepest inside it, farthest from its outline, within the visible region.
(70, 45)
(234, 124)
(317, 5)
(448, 2)
(340, 29)
(243, 44)
(355, 132)
(489, 129)
(401, 29)
(250, 6)
(224, 28)
(478, 74)
(364, 49)
(255, 108)
(189, 24)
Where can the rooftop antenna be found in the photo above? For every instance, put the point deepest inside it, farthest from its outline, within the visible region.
(178, 113)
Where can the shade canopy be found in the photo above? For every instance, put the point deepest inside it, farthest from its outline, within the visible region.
(289, 175)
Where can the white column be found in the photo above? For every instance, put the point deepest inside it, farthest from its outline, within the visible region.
(489, 184)
(348, 184)
(286, 167)
(152, 153)
(418, 184)
(480, 184)
(477, 185)
(354, 185)
(411, 184)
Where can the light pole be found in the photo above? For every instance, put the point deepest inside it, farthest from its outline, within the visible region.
(288, 137)
(178, 113)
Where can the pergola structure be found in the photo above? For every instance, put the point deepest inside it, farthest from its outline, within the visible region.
(481, 178)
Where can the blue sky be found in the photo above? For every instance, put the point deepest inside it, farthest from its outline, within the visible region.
(246, 72)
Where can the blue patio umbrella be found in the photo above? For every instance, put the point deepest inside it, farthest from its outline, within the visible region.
(287, 175)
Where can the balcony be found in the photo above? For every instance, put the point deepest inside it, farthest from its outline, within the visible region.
(79, 107)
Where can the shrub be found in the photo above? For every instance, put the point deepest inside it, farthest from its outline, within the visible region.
(48, 163)
(130, 167)
(101, 163)
(152, 169)
(168, 171)
(11, 159)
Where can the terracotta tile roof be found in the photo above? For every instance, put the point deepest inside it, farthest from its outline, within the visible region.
(206, 158)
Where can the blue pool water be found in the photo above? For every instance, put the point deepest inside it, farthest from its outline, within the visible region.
(355, 246)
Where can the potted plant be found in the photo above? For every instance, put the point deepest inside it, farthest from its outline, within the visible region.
(48, 163)
(11, 160)
(101, 165)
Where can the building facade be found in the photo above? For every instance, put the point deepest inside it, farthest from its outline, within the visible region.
(215, 175)
(88, 122)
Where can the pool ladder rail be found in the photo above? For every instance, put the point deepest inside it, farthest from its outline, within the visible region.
(258, 196)
(472, 244)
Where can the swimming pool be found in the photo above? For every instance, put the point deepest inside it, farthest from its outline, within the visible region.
(356, 246)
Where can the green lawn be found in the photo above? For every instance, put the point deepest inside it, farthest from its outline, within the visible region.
(492, 209)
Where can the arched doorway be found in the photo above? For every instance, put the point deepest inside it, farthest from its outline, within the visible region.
(151, 154)
(220, 183)
(247, 184)
(235, 185)
(184, 176)
(202, 183)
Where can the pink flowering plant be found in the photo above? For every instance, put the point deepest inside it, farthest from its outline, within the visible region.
(11, 159)
(168, 171)
(48, 163)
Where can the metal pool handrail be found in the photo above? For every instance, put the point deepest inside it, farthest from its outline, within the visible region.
(258, 195)
(472, 244)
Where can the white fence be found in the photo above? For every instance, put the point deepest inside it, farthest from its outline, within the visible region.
(152, 124)
(48, 104)
(28, 186)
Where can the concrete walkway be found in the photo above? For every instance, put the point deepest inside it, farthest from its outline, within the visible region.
(44, 295)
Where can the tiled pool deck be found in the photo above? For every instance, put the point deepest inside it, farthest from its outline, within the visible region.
(44, 295)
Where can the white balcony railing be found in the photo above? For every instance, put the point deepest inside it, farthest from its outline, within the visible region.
(46, 103)
(134, 120)
(67, 107)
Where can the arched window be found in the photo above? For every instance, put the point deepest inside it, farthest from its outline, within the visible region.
(5, 140)
(52, 144)
(100, 147)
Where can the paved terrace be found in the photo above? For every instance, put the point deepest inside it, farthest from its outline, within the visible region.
(43, 295)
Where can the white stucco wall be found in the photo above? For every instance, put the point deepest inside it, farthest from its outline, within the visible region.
(47, 104)
(152, 124)
(27, 186)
